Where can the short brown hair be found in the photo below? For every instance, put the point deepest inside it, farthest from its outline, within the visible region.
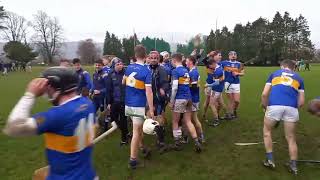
(76, 60)
(192, 59)
(177, 57)
(140, 51)
(98, 61)
(288, 63)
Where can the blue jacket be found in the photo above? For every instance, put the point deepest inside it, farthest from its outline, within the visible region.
(84, 80)
(115, 88)
(100, 82)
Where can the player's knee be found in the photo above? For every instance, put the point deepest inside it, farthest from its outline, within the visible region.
(290, 138)
(266, 134)
(237, 101)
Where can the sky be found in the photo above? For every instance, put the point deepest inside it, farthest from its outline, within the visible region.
(174, 20)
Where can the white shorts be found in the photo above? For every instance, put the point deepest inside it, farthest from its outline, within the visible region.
(285, 113)
(207, 91)
(215, 94)
(233, 88)
(195, 107)
(182, 106)
(139, 111)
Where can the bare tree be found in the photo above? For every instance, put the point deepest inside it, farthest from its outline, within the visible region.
(15, 27)
(48, 35)
(87, 51)
(2, 17)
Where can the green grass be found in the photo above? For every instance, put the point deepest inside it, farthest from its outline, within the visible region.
(221, 159)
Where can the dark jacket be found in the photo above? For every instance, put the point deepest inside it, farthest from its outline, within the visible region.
(115, 88)
(99, 83)
(159, 80)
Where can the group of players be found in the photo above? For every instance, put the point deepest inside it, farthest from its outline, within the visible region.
(6, 68)
(145, 89)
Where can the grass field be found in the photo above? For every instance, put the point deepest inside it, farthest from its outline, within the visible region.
(221, 159)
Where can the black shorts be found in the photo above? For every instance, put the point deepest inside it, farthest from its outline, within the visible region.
(159, 108)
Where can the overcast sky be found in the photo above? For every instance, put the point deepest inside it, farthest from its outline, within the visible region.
(83, 19)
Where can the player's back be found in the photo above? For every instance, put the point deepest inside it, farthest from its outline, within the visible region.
(286, 85)
(137, 76)
(181, 74)
(195, 80)
(69, 131)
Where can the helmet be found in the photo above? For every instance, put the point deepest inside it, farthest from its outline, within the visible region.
(63, 79)
(149, 126)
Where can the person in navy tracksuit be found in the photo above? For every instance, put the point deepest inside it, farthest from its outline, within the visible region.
(99, 87)
(84, 84)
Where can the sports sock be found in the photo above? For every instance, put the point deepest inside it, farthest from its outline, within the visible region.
(293, 163)
(177, 133)
(269, 156)
(202, 135)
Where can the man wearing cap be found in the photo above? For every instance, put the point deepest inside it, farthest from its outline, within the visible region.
(115, 99)
(233, 70)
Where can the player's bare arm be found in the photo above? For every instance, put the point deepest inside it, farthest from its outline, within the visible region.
(265, 95)
(301, 99)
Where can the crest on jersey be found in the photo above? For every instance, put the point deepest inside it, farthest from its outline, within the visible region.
(40, 120)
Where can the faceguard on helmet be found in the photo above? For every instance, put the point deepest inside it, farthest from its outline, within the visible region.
(149, 126)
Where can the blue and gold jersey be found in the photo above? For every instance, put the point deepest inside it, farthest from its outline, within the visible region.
(181, 74)
(106, 69)
(229, 67)
(69, 131)
(286, 85)
(216, 74)
(195, 80)
(137, 77)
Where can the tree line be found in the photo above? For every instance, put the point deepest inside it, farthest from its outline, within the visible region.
(124, 48)
(262, 42)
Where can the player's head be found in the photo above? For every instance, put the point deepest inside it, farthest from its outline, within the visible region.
(212, 64)
(98, 64)
(166, 56)
(154, 58)
(176, 59)
(287, 64)
(106, 60)
(140, 52)
(216, 55)
(147, 59)
(191, 61)
(76, 63)
(118, 64)
(61, 81)
(232, 55)
(64, 62)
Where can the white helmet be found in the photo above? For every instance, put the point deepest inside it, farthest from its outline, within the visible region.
(149, 125)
